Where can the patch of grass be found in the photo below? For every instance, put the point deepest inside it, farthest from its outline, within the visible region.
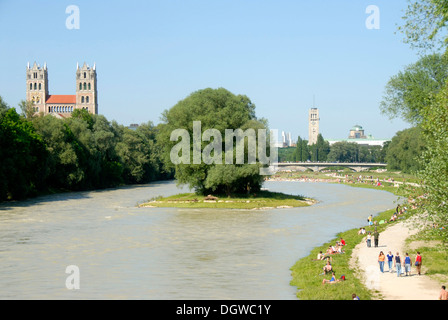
(434, 253)
(262, 199)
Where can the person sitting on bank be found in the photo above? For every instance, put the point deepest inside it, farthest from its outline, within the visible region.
(328, 267)
(332, 280)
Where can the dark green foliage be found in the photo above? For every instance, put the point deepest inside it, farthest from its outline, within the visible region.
(215, 109)
(319, 151)
(22, 157)
(352, 152)
(43, 153)
(411, 90)
(404, 151)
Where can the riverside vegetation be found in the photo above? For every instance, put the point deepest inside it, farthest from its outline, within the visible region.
(307, 272)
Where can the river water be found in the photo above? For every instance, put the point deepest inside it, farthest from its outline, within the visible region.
(126, 252)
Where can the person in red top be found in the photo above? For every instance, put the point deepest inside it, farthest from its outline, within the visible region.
(418, 262)
(342, 242)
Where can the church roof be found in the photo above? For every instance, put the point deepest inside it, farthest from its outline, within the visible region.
(62, 98)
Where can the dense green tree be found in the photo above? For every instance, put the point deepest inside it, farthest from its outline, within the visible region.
(424, 25)
(81, 152)
(298, 151)
(343, 152)
(287, 154)
(22, 156)
(216, 109)
(319, 151)
(434, 172)
(305, 151)
(3, 106)
(425, 28)
(412, 89)
(405, 150)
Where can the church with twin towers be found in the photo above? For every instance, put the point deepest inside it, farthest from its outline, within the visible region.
(62, 105)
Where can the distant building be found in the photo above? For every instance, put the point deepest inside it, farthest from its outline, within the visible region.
(286, 140)
(133, 126)
(313, 126)
(358, 136)
(62, 106)
(357, 132)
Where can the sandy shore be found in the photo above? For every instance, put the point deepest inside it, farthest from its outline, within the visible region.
(389, 286)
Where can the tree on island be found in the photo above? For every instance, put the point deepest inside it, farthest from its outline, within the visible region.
(215, 109)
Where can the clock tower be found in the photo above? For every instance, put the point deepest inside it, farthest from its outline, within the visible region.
(313, 126)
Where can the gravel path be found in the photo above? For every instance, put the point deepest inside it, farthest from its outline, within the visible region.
(391, 287)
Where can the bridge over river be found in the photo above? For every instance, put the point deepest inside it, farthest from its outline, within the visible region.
(318, 166)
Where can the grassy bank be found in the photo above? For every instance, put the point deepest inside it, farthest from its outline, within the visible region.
(307, 272)
(260, 200)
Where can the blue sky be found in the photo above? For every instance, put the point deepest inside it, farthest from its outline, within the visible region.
(151, 54)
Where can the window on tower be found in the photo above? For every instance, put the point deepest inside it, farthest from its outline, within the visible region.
(80, 86)
(87, 99)
(82, 99)
(89, 87)
(84, 86)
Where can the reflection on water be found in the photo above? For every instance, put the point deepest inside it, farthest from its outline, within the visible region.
(125, 252)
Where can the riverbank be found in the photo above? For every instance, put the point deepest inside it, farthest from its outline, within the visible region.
(258, 201)
(387, 285)
(359, 263)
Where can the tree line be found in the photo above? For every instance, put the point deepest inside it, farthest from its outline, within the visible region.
(419, 95)
(400, 154)
(342, 151)
(42, 154)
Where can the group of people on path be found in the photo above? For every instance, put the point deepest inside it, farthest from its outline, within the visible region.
(402, 266)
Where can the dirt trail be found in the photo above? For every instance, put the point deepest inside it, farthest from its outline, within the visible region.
(390, 286)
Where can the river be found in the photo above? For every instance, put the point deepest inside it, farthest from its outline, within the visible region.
(126, 252)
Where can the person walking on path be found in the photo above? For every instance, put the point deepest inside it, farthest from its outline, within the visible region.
(443, 294)
(369, 240)
(376, 236)
(418, 263)
(398, 264)
(407, 264)
(381, 259)
(390, 262)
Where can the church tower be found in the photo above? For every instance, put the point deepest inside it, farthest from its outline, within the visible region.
(37, 86)
(313, 126)
(86, 88)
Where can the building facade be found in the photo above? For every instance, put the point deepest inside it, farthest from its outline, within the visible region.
(37, 91)
(358, 136)
(357, 132)
(313, 126)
